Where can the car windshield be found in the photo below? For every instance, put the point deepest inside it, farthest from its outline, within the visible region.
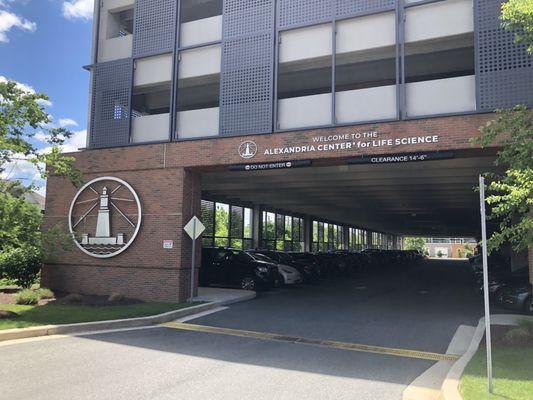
(242, 256)
(260, 257)
(220, 255)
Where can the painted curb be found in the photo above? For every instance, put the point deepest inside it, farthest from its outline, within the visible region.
(450, 387)
(427, 386)
(47, 330)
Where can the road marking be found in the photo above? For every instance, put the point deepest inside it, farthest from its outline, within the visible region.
(423, 355)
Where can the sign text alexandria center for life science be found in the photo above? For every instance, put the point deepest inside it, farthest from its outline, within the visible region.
(359, 140)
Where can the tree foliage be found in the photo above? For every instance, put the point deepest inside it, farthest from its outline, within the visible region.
(414, 243)
(517, 16)
(22, 116)
(510, 195)
(23, 246)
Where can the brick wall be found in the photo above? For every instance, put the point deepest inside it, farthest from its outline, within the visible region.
(167, 178)
(168, 198)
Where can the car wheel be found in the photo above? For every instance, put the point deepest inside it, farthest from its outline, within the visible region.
(278, 282)
(248, 283)
(529, 305)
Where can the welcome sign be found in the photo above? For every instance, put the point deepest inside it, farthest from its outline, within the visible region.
(350, 141)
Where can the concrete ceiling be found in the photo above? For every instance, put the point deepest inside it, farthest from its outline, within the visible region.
(433, 198)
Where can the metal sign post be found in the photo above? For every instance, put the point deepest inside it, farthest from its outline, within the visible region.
(194, 229)
(486, 280)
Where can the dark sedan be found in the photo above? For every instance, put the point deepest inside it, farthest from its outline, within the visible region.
(518, 297)
(231, 267)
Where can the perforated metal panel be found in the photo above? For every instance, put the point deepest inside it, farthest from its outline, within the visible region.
(111, 104)
(504, 70)
(247, 17)
(247, 67)
(154, 27)
(347, 8)
(304, 12)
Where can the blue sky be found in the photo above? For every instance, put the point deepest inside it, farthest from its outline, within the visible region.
(43, 46)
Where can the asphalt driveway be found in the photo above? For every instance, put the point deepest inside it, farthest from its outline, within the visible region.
(419, 309)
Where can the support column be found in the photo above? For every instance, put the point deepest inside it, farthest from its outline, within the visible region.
(346, 232)
(256, 226)
(308, 233)
(191, 205)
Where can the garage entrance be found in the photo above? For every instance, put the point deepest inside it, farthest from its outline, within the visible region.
(358, 208)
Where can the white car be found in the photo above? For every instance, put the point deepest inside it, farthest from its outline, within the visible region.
(290, 275)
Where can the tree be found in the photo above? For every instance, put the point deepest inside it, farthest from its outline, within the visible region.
(510, 196)
(22, 245)
(517, 16)
(415, 243)
(22, 116)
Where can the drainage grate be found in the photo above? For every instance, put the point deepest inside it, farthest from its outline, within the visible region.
(423, 355)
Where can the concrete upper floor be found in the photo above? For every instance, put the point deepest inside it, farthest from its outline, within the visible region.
(187, 69)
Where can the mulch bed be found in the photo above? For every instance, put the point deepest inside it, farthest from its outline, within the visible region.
(7, 298)
(93, 301)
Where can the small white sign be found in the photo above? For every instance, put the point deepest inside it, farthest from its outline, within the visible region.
(168, 244)
(194, 228)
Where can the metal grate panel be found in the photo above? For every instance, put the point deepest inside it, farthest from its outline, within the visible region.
(249, 17)
(111, 104)
(304, 12)
(347, 8)
(247, 67)
(504, 70)
(154, 27)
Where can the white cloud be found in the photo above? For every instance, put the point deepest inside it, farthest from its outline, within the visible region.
(9, 20)
(41, 136)
(64, 122)
(77, 141)
(78, 9)
(28, 89)
(45, 103)
(22, 86)
(26, 172)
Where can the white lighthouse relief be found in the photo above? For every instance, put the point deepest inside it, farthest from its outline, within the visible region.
(108, 197)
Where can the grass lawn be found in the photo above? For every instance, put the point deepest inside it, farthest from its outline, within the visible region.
(69, 314)
(512, 371)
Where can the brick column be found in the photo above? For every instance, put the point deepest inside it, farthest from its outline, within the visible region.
(145, 271)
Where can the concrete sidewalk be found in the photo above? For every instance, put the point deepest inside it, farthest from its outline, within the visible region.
(213, 298)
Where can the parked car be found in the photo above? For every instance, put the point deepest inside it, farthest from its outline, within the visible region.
(309, 269)
(288, 275)
(232, 267)
(518, 297)
(501, 278)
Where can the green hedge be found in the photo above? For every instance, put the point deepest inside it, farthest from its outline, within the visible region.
(21, 265)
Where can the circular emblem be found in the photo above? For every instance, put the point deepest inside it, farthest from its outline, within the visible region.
(105, 217)
(248, 149)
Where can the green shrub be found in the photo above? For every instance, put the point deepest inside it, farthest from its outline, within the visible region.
(27, 297)
(517, 337)
(115, 298)
(527, 325)
(21, 265)
(44, 293)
